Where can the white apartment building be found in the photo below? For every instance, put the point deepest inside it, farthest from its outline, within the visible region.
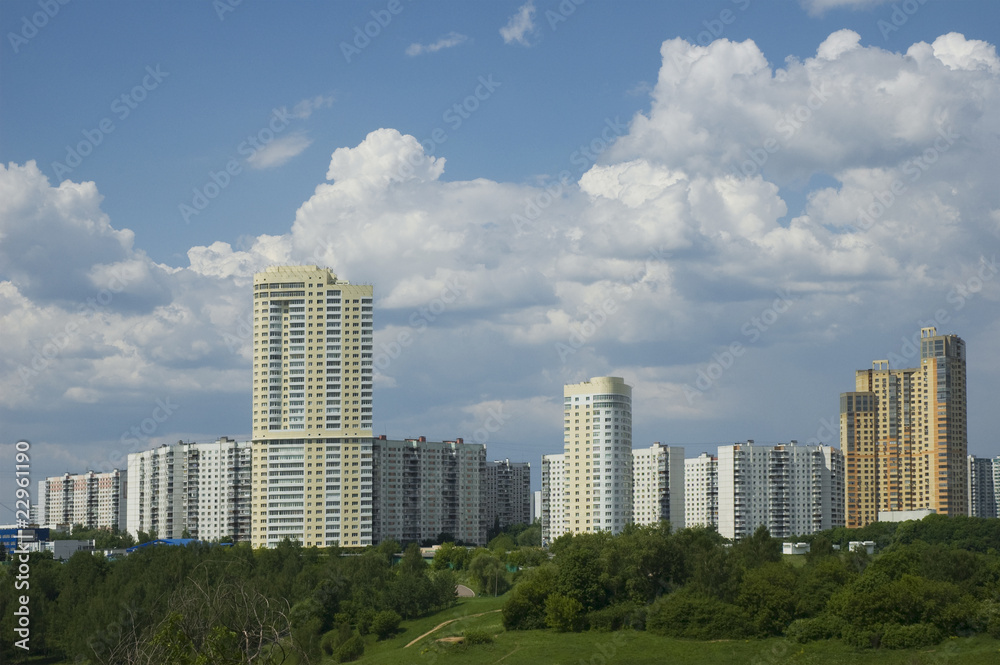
(201, 488)
(791, 489)
(507, 493)
(658, 491)
(217, 484)
(701, 491)
(422, 489)
(94, 500)
(553, 503)
(156, 502)
(312, 408)
(597, 449)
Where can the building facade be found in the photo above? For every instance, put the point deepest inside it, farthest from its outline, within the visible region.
(216, 489)
(983, 474)
(422, 489)
(597, 450)
(312, 408)
(200, 488)
(658, 491)
(94, 500)
(904, 434)
(791, 489)
(507, 493)
(553, 500)
(701, 491)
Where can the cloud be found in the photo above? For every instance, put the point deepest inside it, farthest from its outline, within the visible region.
(279, 151)
(669, 250)
(819, 7)
(305, 108)
(448, 41)
(520, 26)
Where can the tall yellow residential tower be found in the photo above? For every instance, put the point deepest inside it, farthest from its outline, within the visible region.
(903, 434)
(312, 408)
(597, 455)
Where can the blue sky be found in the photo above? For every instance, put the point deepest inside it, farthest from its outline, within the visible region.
(630, 145)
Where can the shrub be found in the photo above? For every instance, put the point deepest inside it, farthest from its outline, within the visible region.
(332, 639)
(471, 637)
(616, 617)
(350, 650)
(911, 637)
(364, 620)
(525, 607)
(694, 616)
(823, 627)
(563, 614)
(385, 623)
(862, 637)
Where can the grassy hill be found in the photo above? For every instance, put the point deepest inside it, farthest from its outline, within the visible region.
(634, 648)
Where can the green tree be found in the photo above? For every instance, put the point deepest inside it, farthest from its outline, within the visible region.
(525, 607)
(488, 573)
(531, 536)
(563, 614)
(412, 563)
(385, 624)
(453, 556)
(757, 550)
(502, 544)
(695, 616)
(580, 571)
(768, 598)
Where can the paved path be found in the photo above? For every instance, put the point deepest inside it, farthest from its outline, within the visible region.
(445, 623)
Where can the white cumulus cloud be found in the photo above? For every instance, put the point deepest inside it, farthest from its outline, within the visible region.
(279, 151)
(520, 26)
(448, 41)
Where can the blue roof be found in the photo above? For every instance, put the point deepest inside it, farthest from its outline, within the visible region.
(164, 541)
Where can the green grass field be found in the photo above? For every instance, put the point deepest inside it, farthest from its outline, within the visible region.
(635, 648)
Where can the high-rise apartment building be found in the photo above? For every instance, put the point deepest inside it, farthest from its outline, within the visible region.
(202, 489)
(903, 433)
(217, 489)
(423, 489)
(507, 493)
(94, 500)
(312, 408)
(597, 450)
(553, 498)
(658, 485)
(984, 486)
(701, 491)
(156, 502)
(791, 489)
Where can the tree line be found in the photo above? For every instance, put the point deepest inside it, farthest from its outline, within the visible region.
(221, 605)
(932, 579)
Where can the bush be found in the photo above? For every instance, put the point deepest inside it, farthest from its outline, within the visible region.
(334, 638)
(350, 650)
(525, 607)
(385, 624)
(911, 637)
(563, 614)
(862, 637)
(694, 616)
(616, 617)
(477, 637)
(364, 620)
(989, 618)
(823, 627)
